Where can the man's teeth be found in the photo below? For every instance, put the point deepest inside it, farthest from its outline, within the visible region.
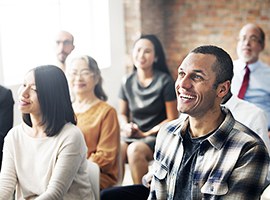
(187, 96)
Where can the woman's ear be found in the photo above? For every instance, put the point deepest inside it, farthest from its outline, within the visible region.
(156, 59)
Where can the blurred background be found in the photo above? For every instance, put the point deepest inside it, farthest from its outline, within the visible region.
(106, 30)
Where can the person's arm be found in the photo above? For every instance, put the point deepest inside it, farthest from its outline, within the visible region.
(6, 113)
(68, 162)
(6, 116)
(146, 179)
(8, 177)
(169, 96)
(171, 113)
(125, 125)
(108, 145)
(260, 124)
(123, 111)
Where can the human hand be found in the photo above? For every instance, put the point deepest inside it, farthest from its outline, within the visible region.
(132, 130)
(136, 132)
(147, 178)
(127, 129)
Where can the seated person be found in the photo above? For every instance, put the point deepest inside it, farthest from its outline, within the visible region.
(6, 115)
(97, 119)
(208, 155)
(44, 157)
(201, 66)
(64, 45)
(147, 100)
(251, 76)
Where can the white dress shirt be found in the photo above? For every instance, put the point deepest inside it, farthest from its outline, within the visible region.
(258, 91)
(251, 116)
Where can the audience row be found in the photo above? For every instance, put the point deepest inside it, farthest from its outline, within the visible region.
(204, 140)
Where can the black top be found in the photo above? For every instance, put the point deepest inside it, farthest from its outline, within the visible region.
(6, 115)
(184, 178)
(147, 104)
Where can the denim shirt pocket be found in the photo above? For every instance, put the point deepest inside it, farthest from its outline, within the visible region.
(214, 188)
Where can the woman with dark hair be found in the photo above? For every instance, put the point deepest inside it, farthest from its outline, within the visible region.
(146, 101)
(97, 119)
(45, 156)
(160, 59)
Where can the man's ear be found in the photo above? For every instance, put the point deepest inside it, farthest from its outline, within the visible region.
(223, 88)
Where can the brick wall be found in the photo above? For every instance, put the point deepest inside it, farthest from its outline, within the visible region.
(182, 25)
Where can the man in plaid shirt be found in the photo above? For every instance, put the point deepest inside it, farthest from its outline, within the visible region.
(207, 154)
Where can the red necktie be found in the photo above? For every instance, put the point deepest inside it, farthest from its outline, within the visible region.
(244, 85)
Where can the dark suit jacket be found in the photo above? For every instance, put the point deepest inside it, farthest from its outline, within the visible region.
(6, 115)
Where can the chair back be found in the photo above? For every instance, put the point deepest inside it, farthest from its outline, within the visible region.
(94, 172)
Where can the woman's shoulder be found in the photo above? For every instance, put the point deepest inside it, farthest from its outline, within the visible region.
(17, 133)
(5, 95)
(70, 130)
(105, 104)
(4, 90)
(69, 127)
(16, 130)
(72, 137)
(129, 77)
(105, 107)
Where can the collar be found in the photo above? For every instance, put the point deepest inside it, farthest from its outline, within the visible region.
(219, 137)
(252, 67)
(231, 102)
(178, 126)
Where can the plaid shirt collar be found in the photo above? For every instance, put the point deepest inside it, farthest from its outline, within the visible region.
(219, 137)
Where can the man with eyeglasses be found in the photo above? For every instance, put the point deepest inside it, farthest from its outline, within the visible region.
(251, 79)
(64, 46)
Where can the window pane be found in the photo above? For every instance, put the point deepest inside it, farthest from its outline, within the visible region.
(28, 29)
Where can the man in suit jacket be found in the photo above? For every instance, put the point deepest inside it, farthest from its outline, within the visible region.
(6, 115)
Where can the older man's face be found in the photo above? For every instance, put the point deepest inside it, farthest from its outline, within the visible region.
(249, 44)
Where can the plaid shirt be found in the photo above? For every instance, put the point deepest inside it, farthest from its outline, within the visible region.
(232, 163)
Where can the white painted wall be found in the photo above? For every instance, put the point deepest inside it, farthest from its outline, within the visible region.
(112, 75)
